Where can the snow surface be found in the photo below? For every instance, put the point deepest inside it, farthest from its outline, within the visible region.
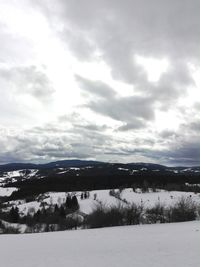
(14, 173)
(30, 207)
(19, 227)
(162, 196)
(102, 196)
(158, 245)
(6, 192)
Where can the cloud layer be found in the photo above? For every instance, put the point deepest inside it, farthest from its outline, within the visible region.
(72, 86)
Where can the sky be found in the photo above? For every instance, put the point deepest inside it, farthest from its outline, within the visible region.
(115, 81)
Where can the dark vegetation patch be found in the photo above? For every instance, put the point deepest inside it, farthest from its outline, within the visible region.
(104, 178)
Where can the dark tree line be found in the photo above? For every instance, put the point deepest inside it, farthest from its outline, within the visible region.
(97, 181)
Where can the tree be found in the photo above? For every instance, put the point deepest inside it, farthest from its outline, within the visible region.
(37, 216)
(68, 202)
(74, 202)
(14, 214)
(62, 212)
(56, 209)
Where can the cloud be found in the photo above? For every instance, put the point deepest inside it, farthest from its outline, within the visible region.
(28, 80)
(137, 124)
(102, 123)
(132, 109)
(121, 29)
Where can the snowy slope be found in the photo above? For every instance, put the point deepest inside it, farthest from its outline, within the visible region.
(6, 192)
(102, 196)
(14, 176)
(150, 199)
(163, 245)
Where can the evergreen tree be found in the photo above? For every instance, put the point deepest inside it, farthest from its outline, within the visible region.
(56, 209)
(68, 202)
(62, 212)
(37, 216)
(75, 204)
(14, 214)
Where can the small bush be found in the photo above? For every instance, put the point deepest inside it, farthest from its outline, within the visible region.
(97, 218)
(156, 214)
(184, 210)
(133, 214)
(105, 216)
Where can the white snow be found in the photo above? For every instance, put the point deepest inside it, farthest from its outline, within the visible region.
(19, 227)
(102, 196)
(63, 172)
(192, 184)
(147, 199)
(13, 176)
(123, 169)
(133, 171)
(30, 207)
(14, 173)
(164, 197)
(158, 245)
(7, 191)
(55, 198)
(32, 173)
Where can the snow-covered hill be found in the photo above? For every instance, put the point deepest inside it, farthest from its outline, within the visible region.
(19, 172)
(17, 175)
(158, 245)
(125, 197)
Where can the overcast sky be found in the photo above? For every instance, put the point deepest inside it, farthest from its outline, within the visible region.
(107, 80)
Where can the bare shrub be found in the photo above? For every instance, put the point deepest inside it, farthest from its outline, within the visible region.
(103, 216)
(156, 214)
(133, 214)
(183, 210)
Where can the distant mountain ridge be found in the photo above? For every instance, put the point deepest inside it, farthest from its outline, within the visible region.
(50, 165)
(83, 175)
(83, 163)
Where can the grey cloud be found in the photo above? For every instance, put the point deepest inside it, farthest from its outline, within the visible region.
(132, 109)
(168, 134)
(137, 124)
(14, 48)
(187, 154)
(119, 30)
(191, 127)
(92, 127)
(195, 126)
(156, 29)
(74, 39)
(112, 31)
(124, 109)
(51, 141)
(28, 80)
(79, 123)
(97, 88)
(197, 106)
(80, 142)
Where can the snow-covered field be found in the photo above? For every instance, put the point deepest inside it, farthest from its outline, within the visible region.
(86, 205)
(158, 245)
(6, 192)
(14, 176)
